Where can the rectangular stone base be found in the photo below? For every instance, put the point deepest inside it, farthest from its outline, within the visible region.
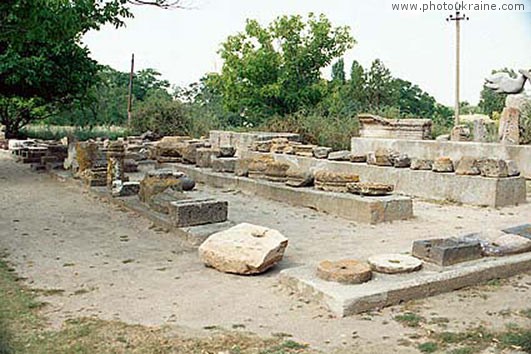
(198, 212)
(371, 210)
(474, 190)
(385, 290)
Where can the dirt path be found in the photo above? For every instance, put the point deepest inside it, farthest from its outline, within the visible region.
(98, 260)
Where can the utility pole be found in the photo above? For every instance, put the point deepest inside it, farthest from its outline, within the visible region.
(130, 95)
(457, 18)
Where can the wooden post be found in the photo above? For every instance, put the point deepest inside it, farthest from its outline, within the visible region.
(130, 95)
(457, 18)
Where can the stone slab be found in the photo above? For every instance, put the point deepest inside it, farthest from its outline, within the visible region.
(445, 252)
(198, 212)
(372, 210)
(243, 141)
(386, 290)
(521, 230)
(473, 190)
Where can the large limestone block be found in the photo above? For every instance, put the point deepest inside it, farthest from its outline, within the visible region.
(243, 249)
(509, 129)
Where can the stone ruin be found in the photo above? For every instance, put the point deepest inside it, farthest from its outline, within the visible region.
(373, 126)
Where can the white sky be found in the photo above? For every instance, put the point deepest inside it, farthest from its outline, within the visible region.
(419, 47)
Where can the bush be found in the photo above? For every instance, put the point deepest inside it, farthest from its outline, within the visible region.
(314, 128)
(170, 117)
(525, 125)
(57, 132)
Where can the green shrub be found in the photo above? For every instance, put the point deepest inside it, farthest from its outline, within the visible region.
(53, 132)
(314, 128)
(525, 125)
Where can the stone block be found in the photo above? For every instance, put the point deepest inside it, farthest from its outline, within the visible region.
(443, 165)
(357, 158)
(276, 172)
(402, 161)
(321, 152)
(151, 186)
(184, 213)
(460, 133)
(130, 166)
(227, 151)
(384, 157)
(521, 230)
(370, 189)
(343, 155)
(445, 252)
(304, 150)
(334, 181)
(204, 157)
(493, 168)
(227, 164)
(242, 167)
(299, 178)
(509, 129)
(125, 189)
(467, 166)
(258, 166)
(243, 249)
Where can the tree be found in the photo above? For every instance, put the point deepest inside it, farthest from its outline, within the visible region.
(338, 72)
(275, 70)
(380, 89)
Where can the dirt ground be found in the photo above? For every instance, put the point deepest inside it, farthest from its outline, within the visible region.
(99, 260)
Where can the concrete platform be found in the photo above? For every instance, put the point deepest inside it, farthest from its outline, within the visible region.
(372, 210)
(473, 190)
(385, 290)
(431, 149)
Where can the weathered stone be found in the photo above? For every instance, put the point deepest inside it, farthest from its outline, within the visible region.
(299, 178)
(445, 252)
(394, 263)
(493, 168)
(334, 181)
(371, 158)
(278, 145)
(520, 230)
(187, 183)
(402, 161)
(189, 152)
(242, 167)
(342, 155)
(443, 165)
(115, 163)
(443, 137)
(509, 129)
(161, 202)
(204, 156)
(460, 133)
(289, 150)
(130, 166)
(227, 164)
(243, 249)
(373, 126)
(467, 166)
(171, 146)
(512, 168)
(304, 150)
(164, 173)
(321, 152)
(151, 186)
(358, 158)
(347, 271)
(384, 157)
(257, 167)
(421, 164)
(227, 151)
(370, 189)
(262, 146)
(185, 213)
(510, 244)
(94, 177)
(125, 189)
(276, 172)
(86, 155)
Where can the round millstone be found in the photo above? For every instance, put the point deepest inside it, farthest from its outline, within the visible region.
(347, 271)
(394, 263)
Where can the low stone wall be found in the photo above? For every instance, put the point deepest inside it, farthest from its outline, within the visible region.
(243, 141)
(372, 210)
(474, 190)
(430, 149)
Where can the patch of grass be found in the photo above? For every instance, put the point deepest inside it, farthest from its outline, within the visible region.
(526, 313)
(428, 347)
(462, 350)
(409, 319)
(23, 330)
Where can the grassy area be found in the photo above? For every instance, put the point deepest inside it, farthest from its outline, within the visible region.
(56, 132)
(23, 330)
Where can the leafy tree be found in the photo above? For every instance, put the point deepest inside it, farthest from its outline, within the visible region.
(276, 69)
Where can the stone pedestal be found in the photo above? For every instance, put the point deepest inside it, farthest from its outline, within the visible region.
(115, 163)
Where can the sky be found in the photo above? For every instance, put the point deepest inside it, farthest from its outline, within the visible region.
(416, 46)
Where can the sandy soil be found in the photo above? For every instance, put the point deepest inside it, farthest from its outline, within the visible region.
(113, 264)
